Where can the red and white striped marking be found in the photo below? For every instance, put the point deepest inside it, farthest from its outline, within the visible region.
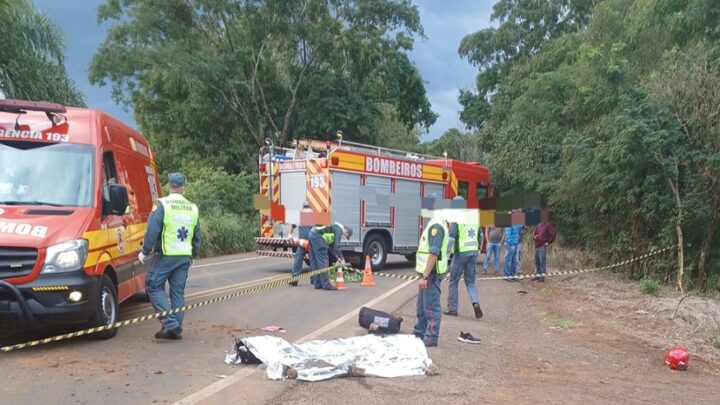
(274, 241)
(270, 253)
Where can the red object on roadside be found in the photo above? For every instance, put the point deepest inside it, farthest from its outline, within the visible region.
(677, 358)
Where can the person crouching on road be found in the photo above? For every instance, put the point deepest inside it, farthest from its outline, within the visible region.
(322, 239)
(466, 241)
(303, 233)
(431, 263)
(173, 233)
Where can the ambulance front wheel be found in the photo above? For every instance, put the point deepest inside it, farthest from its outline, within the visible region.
(107, 309)
(376, 248)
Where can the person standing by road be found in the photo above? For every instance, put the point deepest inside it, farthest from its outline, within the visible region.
(518, 266)
(544, 235)
(173, 233)
(494, 237)
(431, 263)
(512, 238)
(466, 240)
(322, 239)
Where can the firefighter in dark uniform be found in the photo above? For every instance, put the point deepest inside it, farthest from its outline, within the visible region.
(322, 240)
(431, 263)
(173, 233)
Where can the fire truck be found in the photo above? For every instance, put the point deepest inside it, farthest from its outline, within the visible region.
(376, 191)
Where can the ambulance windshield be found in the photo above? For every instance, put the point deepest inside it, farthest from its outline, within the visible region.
(46, 174)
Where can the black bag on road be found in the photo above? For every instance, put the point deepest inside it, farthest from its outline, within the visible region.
(386, 323)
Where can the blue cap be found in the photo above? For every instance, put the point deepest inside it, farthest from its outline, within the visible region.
(176, 180)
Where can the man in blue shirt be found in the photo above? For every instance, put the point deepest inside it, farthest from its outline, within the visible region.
(512, 239)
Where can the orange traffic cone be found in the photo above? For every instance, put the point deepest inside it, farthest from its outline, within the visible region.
(339, 280)
(368, 280)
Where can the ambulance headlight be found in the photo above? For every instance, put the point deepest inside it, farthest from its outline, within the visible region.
(66, 256)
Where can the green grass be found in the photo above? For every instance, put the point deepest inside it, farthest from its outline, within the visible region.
(559, 321)
(650, 285)
(715, 340)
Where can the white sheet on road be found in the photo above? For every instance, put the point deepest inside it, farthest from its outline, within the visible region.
(391, 356)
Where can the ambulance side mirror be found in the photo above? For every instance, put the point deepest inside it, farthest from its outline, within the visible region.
(118, 199)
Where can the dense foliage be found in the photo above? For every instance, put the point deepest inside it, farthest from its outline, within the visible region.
(31, 56)
(211, 79)
(610, 108)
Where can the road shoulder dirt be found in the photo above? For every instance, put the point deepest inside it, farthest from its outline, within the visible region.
(539, 343)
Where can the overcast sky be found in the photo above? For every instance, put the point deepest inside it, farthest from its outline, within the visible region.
(445, 23)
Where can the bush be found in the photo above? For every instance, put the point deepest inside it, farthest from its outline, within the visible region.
(214, 190)
(650, 285)
(227, 233)
(714, 282)
(228, 220)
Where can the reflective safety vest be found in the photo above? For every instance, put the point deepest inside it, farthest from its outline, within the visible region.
(327, 233)
(423, 252)
(467, 238)
(181, 217)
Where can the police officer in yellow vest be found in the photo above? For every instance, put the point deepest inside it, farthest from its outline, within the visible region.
(324, 239)
(173, 233)
(466, 240)
(431, 261)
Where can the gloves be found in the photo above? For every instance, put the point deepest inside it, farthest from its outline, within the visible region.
(142, 257)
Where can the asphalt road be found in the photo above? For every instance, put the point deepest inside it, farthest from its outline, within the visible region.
(135, 368)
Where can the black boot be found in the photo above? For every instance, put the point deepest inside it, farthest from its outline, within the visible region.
(171, 334)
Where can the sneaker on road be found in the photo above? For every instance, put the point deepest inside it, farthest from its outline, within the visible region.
(450, 313)
(468, 338)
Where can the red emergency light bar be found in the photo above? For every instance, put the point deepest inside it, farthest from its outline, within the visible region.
(20, 106)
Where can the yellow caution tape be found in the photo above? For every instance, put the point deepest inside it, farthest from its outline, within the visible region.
(246, 291)
(284, 281)
(555, 273)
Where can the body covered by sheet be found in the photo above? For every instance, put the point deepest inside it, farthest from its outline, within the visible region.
(391, 356)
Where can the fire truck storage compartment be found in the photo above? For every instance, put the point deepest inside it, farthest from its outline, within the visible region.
(292, 196)
(346, 202)
(376, 194)
(406, 221)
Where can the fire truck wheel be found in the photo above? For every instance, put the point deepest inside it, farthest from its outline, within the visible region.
(107, 309)
(410, 257)
(376, 248)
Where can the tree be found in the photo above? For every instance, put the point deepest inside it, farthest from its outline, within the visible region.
(237, 72)
(525, 27)
(614, 120)
(689, 85)
(458, 145)
(31, 56)
(392, 133)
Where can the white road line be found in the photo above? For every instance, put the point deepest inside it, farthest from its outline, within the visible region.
(228, 262)
(216, 387)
